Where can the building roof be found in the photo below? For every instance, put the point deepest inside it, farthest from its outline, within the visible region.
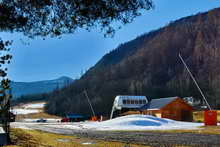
(130, 97)
(156, 104)
(74, 116)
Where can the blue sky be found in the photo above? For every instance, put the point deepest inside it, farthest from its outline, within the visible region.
(39, 59)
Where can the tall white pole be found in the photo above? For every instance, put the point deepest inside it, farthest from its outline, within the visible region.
(113, 109)
(89, 103)
(194, 80)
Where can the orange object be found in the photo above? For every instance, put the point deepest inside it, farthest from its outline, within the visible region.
(94, 118)
(210, 118)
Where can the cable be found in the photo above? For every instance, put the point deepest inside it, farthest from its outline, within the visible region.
(194, 80)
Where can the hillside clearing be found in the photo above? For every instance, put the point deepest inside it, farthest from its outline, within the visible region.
(32, 111)
(29, 108)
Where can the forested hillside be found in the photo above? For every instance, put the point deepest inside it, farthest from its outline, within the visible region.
(149, 65)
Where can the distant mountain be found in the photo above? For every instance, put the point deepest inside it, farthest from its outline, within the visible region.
(149, 65)
(38, 87)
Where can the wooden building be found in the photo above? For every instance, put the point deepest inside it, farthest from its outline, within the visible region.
(173, 108)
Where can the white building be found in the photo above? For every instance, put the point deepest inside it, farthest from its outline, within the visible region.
(128, 102)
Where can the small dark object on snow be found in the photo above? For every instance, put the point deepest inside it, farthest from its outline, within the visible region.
(41, 120)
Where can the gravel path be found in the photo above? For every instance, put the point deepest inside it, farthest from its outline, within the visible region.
(143, 138)
(155, 138)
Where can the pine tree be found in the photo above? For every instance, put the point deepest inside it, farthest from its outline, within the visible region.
(5, 94)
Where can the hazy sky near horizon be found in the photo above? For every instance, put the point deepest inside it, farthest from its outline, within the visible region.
(40, 59)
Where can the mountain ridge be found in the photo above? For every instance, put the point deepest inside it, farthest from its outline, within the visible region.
(38, 87)
(149, 65)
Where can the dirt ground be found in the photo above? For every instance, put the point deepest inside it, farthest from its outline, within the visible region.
(156, 138)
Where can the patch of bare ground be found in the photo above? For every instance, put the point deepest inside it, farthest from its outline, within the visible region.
(203, 137)
(35, 116)
(157, 138)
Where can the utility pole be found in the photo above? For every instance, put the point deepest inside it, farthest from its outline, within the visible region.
(90, 104)
(195, 82)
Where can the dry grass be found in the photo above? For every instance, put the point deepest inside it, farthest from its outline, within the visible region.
(198, 116)
(210, 130)
(32, 138)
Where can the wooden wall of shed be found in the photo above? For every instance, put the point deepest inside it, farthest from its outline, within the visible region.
(177, 110)
(130, 113)
(156, 113)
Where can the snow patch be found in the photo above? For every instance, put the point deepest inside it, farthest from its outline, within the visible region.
(25, 111)
(141, 122)
(63, 140)
(87, 143)
(1, 130)
(35, 106)
(28, 108)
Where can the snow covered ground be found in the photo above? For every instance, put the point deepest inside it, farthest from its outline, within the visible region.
(141, 122)
(34, 106)
(1, 130)
(28, 108)
(133, 122)
(129, 122)
(24, 111)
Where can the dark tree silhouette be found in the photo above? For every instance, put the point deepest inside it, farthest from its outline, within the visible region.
(55, 17)
(5, 94)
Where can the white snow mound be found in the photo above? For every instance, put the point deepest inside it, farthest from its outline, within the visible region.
(137, 120)
(129, 122)
(140, 122)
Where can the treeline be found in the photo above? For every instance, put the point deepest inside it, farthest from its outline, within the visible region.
(30, 98)
(150, 66)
